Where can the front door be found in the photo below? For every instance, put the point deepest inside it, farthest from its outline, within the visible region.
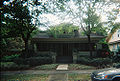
(64, 53)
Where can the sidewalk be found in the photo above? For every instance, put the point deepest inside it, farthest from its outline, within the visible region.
(44, 72)
(53, 75)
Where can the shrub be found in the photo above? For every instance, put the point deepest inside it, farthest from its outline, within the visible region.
(43, 55)
(27, 54)
(12, 66)
(101, 62)
(116, 58)
(10, 58)
(32, 61)
(98, 62)
(19, 61)
(84, 60)
(117, 65)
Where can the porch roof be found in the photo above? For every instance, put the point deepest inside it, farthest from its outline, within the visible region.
(81, 39)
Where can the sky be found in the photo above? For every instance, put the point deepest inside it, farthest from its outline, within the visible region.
(54, 19)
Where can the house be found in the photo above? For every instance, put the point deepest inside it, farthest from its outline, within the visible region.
(113, 40)
(65, 49)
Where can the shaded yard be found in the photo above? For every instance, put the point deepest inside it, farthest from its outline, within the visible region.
(43, 77)
(80, 67)
(49, 67)
(46, 67)
(22, 77)
(79, 77)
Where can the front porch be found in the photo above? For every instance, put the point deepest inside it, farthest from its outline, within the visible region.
(65, 50)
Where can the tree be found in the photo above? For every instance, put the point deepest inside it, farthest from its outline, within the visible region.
(62, 30)
(112, 17)
(18, 20)
(85, 16)
(4, 28)
(116, 26)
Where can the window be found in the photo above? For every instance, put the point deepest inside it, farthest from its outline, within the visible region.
(112, 37)
(119, 33)
(117, 46)
(113, 47)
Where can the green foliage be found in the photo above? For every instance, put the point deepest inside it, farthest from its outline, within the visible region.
(62, 30)
(99, 30)
(97, 62)
(116, 65)
(9, 58)
(80, 67)
(113, 16)
(79, 77)
(101, 61)
(12, 66)
(33, 61)
(115, 27)
(93, 21)
(43, 55)
(46, 67)
(16, 22)
(84, 60)
(25, 77)
(20, 61)
(116, 58)
(103, 41)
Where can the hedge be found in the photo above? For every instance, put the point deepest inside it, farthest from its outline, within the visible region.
(9, 58)
(12, 66)
(33, 61)
(98, 62)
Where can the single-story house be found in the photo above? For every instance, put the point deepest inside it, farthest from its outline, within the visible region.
(65, 49)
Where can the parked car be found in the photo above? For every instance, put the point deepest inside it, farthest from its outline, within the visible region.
(112, 74)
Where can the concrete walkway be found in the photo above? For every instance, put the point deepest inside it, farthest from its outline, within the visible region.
(58, 77)
(62, 67)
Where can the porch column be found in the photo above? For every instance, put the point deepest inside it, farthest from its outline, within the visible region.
(74, 57)
(53, 57)
(35, 48)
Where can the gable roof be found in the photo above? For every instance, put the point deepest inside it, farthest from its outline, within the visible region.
(110, 34)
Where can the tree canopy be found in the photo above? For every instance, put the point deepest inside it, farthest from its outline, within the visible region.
(16, 21)
(62, 30)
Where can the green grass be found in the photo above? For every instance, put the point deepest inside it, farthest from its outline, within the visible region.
(71, 67)
(79, 77)
(80, 67)
(22, 77)
(46, 67)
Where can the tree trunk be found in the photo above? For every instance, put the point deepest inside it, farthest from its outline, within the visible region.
(89, 43)
(26, 45)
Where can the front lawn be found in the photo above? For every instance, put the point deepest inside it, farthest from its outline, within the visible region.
(80, 67)
(79, 77)
(70, 67)
(46, 67)
(25, 77)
